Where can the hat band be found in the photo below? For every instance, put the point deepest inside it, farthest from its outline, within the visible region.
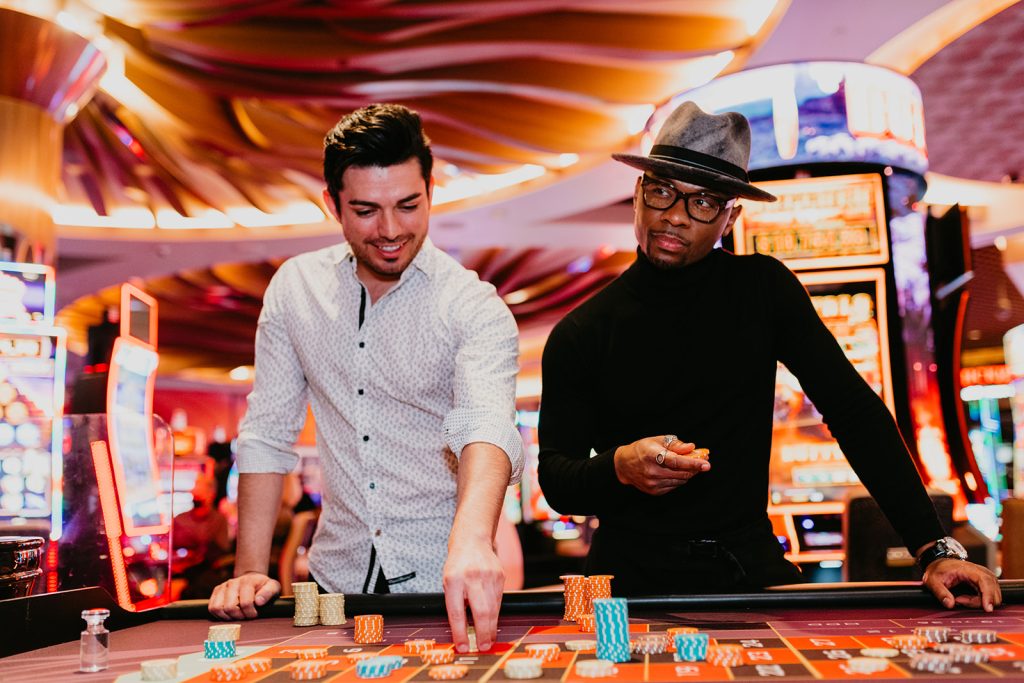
(672, 153)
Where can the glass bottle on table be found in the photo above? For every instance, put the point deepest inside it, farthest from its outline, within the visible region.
(94, 651)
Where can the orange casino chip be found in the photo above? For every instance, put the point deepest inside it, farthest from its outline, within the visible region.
(576, 595)
(369, 628)
(438, 655)
(600, 586)
(908, 641)
(586, 623)
(546, 652)
(311, 670)
(256, 665)
(226, 672)
(354, 657)
(448, 672)
(418, 646)
(311, 653)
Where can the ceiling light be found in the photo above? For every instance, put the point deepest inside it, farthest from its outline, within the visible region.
(1000, 242)
(243, 373)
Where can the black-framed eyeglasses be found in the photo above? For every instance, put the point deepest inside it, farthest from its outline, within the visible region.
(700, 206)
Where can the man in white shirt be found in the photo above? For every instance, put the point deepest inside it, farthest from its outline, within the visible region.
(409, 362)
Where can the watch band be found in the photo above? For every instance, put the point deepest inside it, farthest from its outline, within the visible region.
(944, 548)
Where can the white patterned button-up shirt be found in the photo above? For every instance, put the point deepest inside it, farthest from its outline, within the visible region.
(431, 369)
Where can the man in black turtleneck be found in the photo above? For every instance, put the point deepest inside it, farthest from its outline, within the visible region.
(686, 343)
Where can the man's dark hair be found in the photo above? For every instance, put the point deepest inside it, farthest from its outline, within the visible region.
(376, 135)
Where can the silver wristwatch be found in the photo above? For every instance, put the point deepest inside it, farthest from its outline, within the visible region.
(946, 547)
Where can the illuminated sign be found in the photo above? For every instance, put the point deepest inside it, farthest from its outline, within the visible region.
(27, 293)
(985, 375)
(807, 465)
(818, 222)
(819, 112)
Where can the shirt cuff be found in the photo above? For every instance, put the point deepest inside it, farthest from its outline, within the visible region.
(505, 437)
(257, 456)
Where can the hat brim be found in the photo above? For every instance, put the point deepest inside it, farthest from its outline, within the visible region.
(698, 175)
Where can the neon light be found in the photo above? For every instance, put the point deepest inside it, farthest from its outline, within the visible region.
(57, 440)
(49, 287)
(127, 292)
(111, 522)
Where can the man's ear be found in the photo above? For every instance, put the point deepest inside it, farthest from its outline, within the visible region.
(329, 203)
(737, 209)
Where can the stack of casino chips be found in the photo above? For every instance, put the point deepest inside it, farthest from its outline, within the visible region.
(418, 646)
(545, 652)
(724, 655)
(595, 668)
(586, 623)
(908, 642)
(866, 665)
(219, 649)
(438, 655)
(978, 635)
(159, 670)
(311, 653)
(447, 672)
(691, 647)
(611, 616)
(933, 634)
(220, 641)
(378, 667)
(369, 628)
(577, 596)
(650, 643)
(581, 645)
(932, 662)
(599, 586)
(523, 668)
(227, 672)
(674, 631)
(356, 657)
(962, 653)
(308, 670)
(332, 609)
(307, 603)
(256, 665)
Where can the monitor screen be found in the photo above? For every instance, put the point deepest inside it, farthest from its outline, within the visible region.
(139, 319)
(26, 293)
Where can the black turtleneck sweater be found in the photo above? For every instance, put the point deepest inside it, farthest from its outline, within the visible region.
(693, 352)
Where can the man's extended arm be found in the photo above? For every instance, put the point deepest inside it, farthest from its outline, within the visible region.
(473, 572)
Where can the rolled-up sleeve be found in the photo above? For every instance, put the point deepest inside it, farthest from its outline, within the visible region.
(486, 365)
(277, 404)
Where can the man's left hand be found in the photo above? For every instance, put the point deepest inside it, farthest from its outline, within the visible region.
(473, 576)
(944, 574)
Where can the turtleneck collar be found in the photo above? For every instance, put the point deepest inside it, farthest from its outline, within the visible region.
(644, 275)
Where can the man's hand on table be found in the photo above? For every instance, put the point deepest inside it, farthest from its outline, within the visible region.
(943, 574)
(239, 597)
(473, 576)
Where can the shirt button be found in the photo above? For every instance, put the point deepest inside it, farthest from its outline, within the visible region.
(362, 344)
(360, 392)
(372, 485)
(366, 438)
(377, 533)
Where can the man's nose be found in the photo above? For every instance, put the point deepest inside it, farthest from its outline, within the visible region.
(389, 227)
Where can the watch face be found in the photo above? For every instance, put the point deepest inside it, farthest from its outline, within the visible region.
(952, 547)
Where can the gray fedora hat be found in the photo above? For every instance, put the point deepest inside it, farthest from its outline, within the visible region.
(710, 150)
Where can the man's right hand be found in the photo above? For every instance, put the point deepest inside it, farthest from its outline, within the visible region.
(239, 597)
(636, 465)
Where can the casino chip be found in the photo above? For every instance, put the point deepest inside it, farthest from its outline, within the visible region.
(545, 652)
(226, 672)
(378, 667)
(523, 668)
(595, 668)
(650, 643)
(580, 645)
(933, 634)
(332, 609)
(880, 652)
(219, 649)
(308, 670)
(307, 603)
(932, 662)
(224, 632)
(159, 670)
(586, 623)
(369, 628)
(867, 665)
(438, 655)
(311, 653)
(418, 646)
(978, 635)
(256, 665)
(448, 672)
